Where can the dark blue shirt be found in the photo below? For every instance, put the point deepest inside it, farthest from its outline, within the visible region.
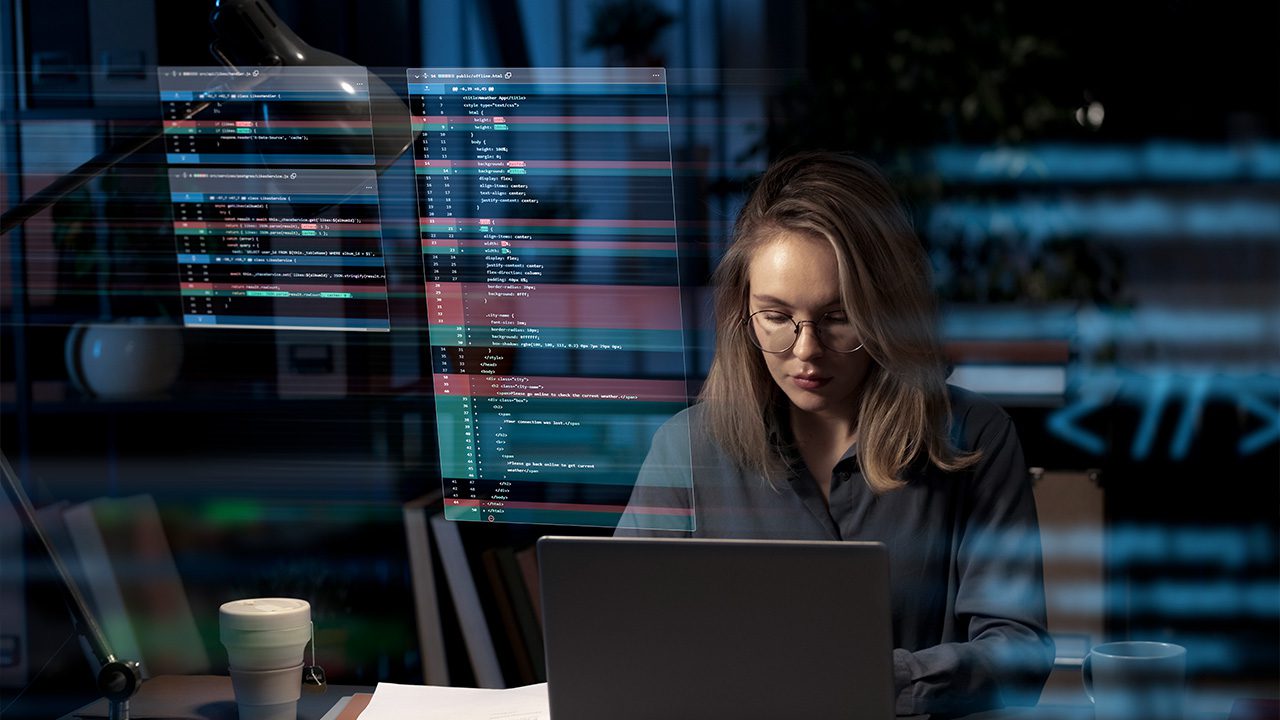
(966, 578)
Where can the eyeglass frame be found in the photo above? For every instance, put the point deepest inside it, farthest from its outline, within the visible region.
(817, 331)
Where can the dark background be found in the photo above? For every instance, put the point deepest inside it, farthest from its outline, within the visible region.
(1141, 243)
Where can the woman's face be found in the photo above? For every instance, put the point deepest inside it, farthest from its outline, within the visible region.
(797, 275)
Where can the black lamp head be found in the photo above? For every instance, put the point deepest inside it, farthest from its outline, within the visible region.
(248, 33)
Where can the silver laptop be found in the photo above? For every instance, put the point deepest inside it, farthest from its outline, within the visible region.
(674, 628)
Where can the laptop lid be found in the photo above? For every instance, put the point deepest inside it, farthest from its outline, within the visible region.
(679, 628)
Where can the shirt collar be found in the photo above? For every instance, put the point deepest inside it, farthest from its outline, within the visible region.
(783, 440)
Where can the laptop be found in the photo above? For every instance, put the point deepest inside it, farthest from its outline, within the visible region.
(680, 628)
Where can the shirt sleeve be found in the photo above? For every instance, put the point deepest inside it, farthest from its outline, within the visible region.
(661, 503)
(1000, 596)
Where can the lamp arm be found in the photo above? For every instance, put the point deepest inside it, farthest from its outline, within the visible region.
(89, 626)
(117, 679)
(90, 169)
(68, 183)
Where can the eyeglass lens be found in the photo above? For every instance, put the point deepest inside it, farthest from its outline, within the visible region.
(774, 331)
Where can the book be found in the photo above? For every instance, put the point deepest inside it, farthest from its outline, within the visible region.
(426, 598)
(353, 707)
(13, 604)
(100, 586)
(527, 619)
(466, 601)
(133, 586)
(527, 559)
(504, 599)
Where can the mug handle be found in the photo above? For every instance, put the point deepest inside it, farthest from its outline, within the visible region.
(1086, 674)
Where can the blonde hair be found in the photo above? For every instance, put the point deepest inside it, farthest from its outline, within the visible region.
(903, 408)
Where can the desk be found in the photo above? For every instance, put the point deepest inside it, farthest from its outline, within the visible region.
(210, 697)
(1085, 712)
(207, 697)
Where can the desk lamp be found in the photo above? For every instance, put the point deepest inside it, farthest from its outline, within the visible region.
(248, 33)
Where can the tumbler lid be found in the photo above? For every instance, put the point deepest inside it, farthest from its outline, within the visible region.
(264, 614)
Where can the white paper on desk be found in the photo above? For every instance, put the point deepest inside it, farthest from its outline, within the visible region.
(429, 702)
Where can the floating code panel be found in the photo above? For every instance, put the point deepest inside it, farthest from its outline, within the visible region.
(548, 235)
(275, 198)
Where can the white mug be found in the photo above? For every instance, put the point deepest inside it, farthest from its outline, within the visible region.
(1136, 679)
(128, 358)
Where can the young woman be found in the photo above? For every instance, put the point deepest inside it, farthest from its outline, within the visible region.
(826, 415)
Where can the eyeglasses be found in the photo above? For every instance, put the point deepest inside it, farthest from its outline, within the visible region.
(777, 332)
